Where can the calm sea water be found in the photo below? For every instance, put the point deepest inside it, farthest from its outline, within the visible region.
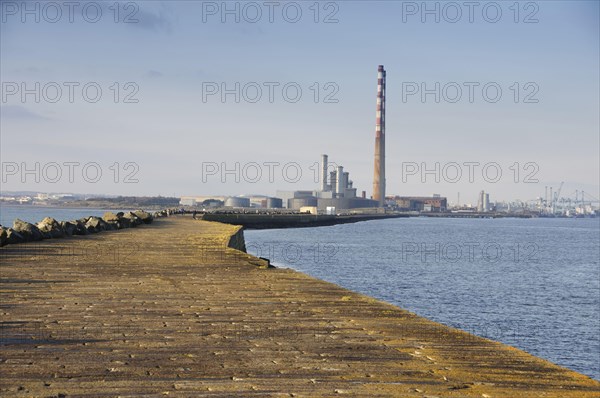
(34, 214)
(530, 283)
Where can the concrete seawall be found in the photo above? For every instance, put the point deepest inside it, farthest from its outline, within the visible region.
(270, 221)
(174, 309)
(237, 241)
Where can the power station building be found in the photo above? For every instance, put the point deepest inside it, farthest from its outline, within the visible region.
(336, 190)
(419, 203)
(483, 202)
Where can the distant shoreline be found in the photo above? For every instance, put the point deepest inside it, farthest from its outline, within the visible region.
(75, 206)
(262, 212)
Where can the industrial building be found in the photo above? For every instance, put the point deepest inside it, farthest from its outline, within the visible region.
(254, 201)
(483, 203)
(237, 202)
(272, 203)
(336, 191)
(286, 196)
(198, 200)
(418, 203)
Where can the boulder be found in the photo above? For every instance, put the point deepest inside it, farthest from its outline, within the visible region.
(124, 222)
(80, 228)
(144, 216)
(108, 217)
(112, 219)
(28, 231)
(50, 228)
(69, 227)
(96, 224)
(3, 236)
(133, 219)
(13, 237)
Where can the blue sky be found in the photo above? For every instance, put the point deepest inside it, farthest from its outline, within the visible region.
(177, 48)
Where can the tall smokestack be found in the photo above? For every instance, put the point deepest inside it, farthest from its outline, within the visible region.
(480, 202)
(333, 185)
(339, 186)
(324, 173)
(379, 174)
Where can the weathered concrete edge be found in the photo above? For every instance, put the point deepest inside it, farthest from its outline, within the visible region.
(237, 242)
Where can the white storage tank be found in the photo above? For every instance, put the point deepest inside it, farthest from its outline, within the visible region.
(237, 202)
(274, 203)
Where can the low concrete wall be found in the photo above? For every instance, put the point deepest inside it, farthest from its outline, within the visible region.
(237, 241)
(269, 221)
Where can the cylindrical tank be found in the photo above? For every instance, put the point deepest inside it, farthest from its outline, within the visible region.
(237, 202)
(297, 203)
(274, 203)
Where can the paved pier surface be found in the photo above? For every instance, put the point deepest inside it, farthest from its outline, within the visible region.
(169, 310)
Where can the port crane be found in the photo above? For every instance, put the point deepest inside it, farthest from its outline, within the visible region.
(559, 204)
(556, 197)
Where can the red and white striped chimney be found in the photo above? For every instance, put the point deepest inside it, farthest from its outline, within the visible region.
(379, 174)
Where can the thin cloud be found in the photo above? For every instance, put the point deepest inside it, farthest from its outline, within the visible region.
(155, 21)
(18, 112)
(28, 71)
(153, 74)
